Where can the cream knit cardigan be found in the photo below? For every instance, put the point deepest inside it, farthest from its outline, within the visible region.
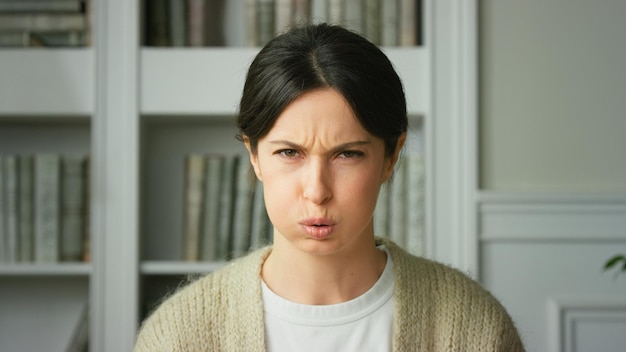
(436, 309)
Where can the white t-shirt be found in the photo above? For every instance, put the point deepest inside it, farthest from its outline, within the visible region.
(362, 324)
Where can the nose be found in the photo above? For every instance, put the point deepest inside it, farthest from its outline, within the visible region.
(316, 182)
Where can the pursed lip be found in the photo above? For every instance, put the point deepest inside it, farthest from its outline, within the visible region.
(319, 227)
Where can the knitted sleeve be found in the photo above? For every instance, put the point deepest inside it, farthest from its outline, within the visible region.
(441, 309)
(222, 311)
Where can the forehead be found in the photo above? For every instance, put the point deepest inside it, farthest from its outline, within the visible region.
(323, 113)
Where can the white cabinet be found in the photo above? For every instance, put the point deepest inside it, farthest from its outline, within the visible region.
(138, 111)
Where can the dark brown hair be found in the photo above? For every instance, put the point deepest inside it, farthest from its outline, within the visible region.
(323, 56)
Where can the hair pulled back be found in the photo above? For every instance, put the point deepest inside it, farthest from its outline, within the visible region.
(323, 56)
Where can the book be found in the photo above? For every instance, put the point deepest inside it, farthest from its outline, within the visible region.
(58, 39)
(301, 13)
(11, 207)
(397, 204)
(244, 186)
(42, 22)
(283, 15)
(408, 23)
(415, 238)
(79, 341)
(2, 212)
(226, 208)
(381, 212)
(214, 23)
(354, 15)
(26, 229)
(252, 33)
(195, 22)
(265, 21)
(389, 27)
(371, 20)
(14, 39)
(211, 216)
(21, 6)
(194, 192)
(177, 22)
(335, 11)
(47, 207)
(260, 233)
(87, 213)
(72, 208)
(157, 30)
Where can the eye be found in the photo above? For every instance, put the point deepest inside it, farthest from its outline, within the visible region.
(351, 154)
(288, 153)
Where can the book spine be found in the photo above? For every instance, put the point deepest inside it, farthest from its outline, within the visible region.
(265, 20)
(389, 36)
(11, 207)
(335, 11)
(31, 6)
(72, 208)
(194, 189)
(14, 39)
(415, 241)
(243, 207)
(301, 13)
(47, 185)
(252, 25)
(226, 208)
(372, 24)
(3, 236)
(381, 212)
(26, 209)
(42, 22)
(283, 15)
(211, 218)
(407, 22)
(259, 230)
(397, 211)
(79, 341)
(87, 214)
(354, 15)
(195, 22)
(157, 21)
(214, 23)
(177, 23)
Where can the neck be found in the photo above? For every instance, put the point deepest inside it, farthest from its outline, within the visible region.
(307, 278)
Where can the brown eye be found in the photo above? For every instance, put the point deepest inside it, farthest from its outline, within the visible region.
(289, 153)
(349, 154)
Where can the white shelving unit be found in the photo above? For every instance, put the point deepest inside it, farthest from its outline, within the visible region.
(140, 110)
(46, 104)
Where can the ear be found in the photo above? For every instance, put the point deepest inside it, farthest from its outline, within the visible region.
(391, 162)
(254, 158)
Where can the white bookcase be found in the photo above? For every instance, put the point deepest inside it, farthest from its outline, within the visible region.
(139, 110)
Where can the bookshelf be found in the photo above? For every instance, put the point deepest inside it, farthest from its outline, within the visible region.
(138, 110)
(46, 105)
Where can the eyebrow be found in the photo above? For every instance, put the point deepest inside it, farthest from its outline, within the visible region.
(342, 146)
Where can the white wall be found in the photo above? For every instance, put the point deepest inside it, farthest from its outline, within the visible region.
(552, 198)
(553, 95)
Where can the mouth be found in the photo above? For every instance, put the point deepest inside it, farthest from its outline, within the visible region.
(318, 228)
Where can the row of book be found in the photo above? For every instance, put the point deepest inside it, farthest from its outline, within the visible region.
(400, 210)
(225, 215)
(44, 208)
(44, 23)
(196, 23)
(383, 22)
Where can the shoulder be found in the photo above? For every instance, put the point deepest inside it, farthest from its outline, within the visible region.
(204, 306)
(431, 293)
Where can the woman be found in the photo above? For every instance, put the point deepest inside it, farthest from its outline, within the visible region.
(323, 116)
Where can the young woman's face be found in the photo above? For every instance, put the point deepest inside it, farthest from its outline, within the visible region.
(321, 173)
